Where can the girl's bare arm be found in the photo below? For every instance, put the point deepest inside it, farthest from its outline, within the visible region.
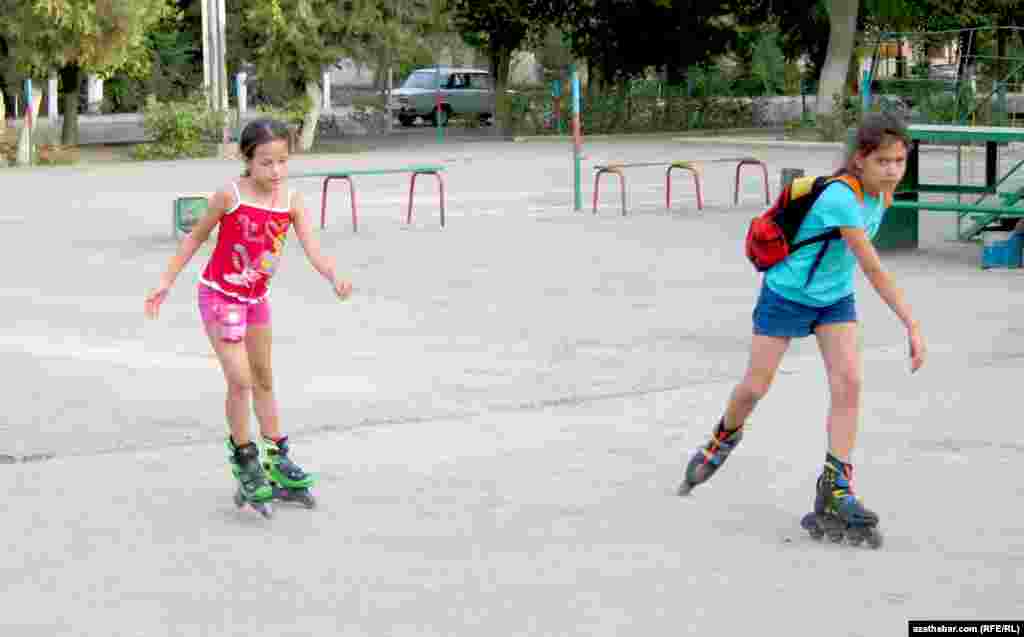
(880, 279)
(310, 244)
(220, 203)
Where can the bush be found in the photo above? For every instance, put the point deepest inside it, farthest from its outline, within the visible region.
(643, 110)
(180, 129)
(292, 113)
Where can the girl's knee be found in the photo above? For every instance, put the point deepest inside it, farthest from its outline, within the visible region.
(846, 386)
(240, 387)
(262, 378)
(752, 390)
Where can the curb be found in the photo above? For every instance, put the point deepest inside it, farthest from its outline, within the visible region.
(740, 141)
(711, 134)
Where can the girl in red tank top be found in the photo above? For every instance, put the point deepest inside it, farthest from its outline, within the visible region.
(253, 215)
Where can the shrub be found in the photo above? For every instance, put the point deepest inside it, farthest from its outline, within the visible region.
(180, 129)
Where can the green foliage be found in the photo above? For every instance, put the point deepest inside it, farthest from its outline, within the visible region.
(846, 112)
(500, 27)
(173, 72)
(292, 112)
(803, 27)
(553, 52)
(180, 129)
(299, 38)
(769, 65)
(648, 107)
(624, 39)
(98, 35)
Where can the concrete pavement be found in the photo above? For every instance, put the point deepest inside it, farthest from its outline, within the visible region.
(499, 417)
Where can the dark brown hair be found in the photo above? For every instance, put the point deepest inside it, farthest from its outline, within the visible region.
(259, 132)
(875, 130)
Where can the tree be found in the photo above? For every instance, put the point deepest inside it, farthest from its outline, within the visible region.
(499, 28)
(804, 27)
(616, 38)
(298, 39)
(410, 32)
(73, 36)
(841, 39)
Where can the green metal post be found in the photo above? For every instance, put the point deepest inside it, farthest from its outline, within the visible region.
(437, 106)
(556, 107)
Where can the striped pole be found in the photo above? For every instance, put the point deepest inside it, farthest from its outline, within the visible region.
(577, 137)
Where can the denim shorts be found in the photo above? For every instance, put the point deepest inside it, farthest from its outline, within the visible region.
(776, 315)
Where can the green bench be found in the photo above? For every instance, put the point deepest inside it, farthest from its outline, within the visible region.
(982, 215)
(346, 175)
(188, 210)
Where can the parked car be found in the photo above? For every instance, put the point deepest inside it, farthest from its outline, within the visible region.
(464, 91)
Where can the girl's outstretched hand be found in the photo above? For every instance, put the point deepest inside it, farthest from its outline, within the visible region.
(342, 288)
(917, 348)
(155, 298)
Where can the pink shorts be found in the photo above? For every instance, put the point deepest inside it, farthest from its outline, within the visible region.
(229, 316)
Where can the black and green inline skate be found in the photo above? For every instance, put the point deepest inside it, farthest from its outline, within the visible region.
(253, 488)
(288, 481)
(838, 513)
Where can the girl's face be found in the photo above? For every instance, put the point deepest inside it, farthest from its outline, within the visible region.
(882, 170)
(269, 164)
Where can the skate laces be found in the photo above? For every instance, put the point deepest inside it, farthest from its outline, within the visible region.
(251, 474)
(842, 480)
(278, 453)
(721, 444)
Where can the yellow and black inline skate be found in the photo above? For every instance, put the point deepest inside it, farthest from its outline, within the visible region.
(838, 513)
(709, 458)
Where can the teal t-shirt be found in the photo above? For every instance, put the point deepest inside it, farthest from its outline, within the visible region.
(836, 207)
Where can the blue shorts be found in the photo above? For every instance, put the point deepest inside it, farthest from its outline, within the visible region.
(775, 315)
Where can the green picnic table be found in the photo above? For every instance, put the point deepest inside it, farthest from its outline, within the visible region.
(900, 227)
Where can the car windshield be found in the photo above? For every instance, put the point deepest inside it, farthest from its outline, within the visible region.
(423, 79)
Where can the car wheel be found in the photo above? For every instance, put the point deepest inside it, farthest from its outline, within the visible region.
(406, 121)
(445, 115)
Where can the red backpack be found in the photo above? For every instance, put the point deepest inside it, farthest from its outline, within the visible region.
(771, 236)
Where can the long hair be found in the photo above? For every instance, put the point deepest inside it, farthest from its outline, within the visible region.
(875, 130)
(259, 132)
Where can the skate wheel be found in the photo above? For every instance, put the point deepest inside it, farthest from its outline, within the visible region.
(239, 499)
(835, 536)
(263, 508)
(855, 540)
(810, 524)
(307, 500)
(875, 539)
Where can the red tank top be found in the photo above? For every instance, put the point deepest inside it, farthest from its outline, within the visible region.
(249, 244)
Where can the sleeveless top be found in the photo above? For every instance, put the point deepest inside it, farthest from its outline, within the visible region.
(249, 244)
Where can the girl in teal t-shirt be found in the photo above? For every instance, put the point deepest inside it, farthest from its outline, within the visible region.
(837, 207)
(791, 306)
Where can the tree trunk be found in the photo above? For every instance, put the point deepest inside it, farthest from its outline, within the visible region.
(842, 33)
(501, 67)
(3, 113)
(70, 83)
(309, 122)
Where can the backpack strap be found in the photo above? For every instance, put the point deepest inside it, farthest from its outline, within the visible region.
(817, 260)
(826, 238)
